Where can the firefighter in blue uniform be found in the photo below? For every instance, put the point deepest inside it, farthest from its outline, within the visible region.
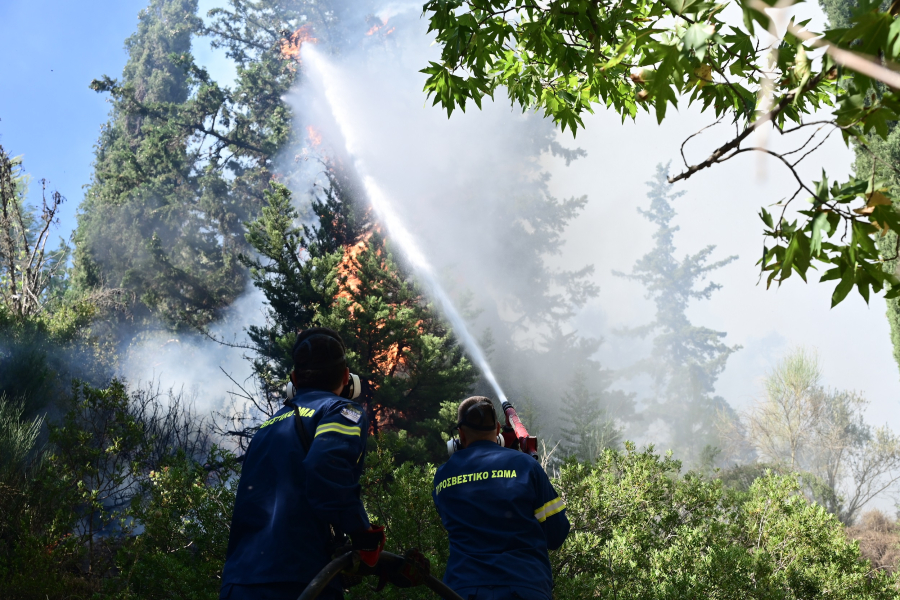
(299, 489)
(500, 511)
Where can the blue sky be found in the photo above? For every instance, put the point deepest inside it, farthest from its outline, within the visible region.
(48, 114)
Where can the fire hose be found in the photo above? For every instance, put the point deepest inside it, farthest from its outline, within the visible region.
(388, 563)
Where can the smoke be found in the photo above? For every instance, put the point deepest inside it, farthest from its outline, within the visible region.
(396, 229)
(205, 371)
(470, 190)
(476, 191)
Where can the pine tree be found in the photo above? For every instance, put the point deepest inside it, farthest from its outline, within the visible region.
(686, 359)
(592, 426)
(183, 163)
(396, 341)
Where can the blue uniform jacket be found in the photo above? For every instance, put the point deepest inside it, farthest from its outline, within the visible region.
(286, 500)
(502, 515)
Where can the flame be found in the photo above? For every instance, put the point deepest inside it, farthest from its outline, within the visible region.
(290, 44)
(392, 361)
(378, 26)
(315, 138)
(347, 269)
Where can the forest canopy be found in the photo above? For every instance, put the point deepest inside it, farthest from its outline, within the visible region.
(208, 192)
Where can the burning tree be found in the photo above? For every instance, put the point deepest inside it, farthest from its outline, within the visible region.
(341, 273)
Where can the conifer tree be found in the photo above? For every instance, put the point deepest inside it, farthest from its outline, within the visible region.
(340, 273)
(141, 227)
(592, 426)
(686, 359)
(184, 162)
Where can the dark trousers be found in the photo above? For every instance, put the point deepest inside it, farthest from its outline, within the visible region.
(500, 592)
(272, 591)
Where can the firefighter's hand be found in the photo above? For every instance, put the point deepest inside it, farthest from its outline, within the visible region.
(369, 544)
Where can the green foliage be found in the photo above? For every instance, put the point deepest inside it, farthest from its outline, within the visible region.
(399, 497)
(39, 354)
(565, 57)
(45, 327)
(686, 359)
(185, 516)
(99, 458)
(591, 422)
(640, 530)
(876, 160)
(19, 447)
(396, 341)
(115, 507)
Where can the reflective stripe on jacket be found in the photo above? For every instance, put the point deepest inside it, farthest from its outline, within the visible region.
(502, 515)
(286, 500)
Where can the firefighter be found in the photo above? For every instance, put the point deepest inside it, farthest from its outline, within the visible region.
(299, 489)
(500, 511)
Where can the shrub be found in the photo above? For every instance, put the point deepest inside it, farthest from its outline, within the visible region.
(641, 530)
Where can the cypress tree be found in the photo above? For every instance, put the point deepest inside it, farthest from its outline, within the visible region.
(591, 419)
(686, 359)
(183, 163)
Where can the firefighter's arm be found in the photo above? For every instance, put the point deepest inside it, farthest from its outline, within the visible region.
(550, 511)
(332, 480)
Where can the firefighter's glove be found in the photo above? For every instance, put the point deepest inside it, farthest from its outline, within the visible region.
(414, 571)
(369, 544)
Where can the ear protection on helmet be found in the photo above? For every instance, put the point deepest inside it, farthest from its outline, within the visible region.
(353, 388)
(454, 444)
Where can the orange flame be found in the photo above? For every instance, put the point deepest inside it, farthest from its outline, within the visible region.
(347, 269)
(391, 361)
(315, 138)
(378, 26)
(290, 44)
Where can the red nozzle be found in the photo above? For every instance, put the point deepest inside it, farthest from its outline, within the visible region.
(527, 443)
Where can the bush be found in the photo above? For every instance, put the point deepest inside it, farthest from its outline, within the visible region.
(879, 539)
(185, 518)
(114, 512)
(120, 507)
(640, 530)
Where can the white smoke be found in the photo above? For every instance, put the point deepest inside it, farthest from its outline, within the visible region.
(204, 371)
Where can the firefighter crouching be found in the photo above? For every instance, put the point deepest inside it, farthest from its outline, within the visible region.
(299, 487)
(500, 511)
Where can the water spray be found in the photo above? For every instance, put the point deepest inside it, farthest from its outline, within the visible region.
(318, 66)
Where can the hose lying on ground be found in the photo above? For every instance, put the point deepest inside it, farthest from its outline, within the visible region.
(386, 562)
